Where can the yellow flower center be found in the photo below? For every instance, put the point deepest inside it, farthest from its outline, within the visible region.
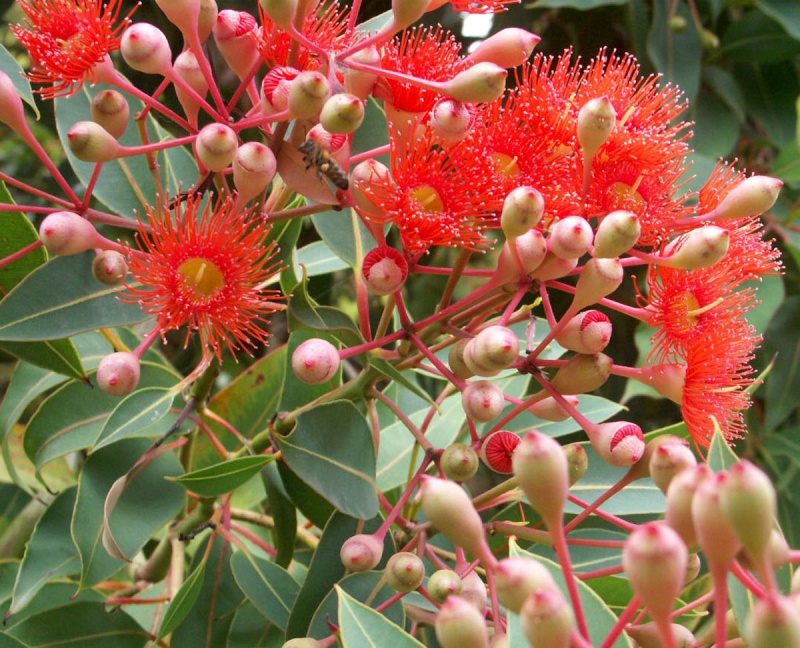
(688, 306)
(505, 164)
(202, 275)
(428, 198)
(625, 191)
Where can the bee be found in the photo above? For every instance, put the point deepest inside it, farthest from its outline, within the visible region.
(326, 166)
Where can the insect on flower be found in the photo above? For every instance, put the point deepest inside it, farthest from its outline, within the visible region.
(318, 157)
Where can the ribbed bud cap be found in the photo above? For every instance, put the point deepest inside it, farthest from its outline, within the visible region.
(587, 332)
(617, 233)
(234, 33)
(701, 248)
(110, 109)
(618, 442)
(481, 83)
(571, 237)
(482, 400)
(497, 450)
(517, 578)
(542, 473)
(385, 270)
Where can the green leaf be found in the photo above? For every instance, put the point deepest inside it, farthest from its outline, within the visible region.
(144, 413)
(391, 373)
(771, 90)
(17, 232)
(720, 456)
(787, 164)
(251, 630)
(62, 298)
(308, 501)
(9, 65)
(362, 626)
(786, 12)
(306, 312)
(284, 513)
(182, 604)
(56, 355)
(331, 449)
(756, 37)
(345, 235)
(717, 127)
(269, 587)
(677, 55)
(317, 259)
(784, 381)
(223, 477)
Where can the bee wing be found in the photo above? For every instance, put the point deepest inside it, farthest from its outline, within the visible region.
(292, 169)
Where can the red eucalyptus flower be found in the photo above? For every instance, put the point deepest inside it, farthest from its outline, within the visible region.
(204, 266)
(67, 39)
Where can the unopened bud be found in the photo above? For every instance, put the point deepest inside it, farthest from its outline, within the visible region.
(342, 113)
(450, 120)
(577, 461)
(90, 142)
(12, 113)
(384, 270)
(571, 237)
(456, 360)
(617, 233)
(207, 19)
(587, 332)
(517, 578)
(600, 278)
(542, 473)
(508, 48)
(596, 120)
(407, 12)
(315, 361)
(715, 534)
(532, 251)
(667, 461)
(752, 196)
(110, 109)
(233, 33)
(773, 621)
(66, 233)
(308, 93)
(550, 409)
(547, 620)
(493, 349)
(497, 451)
(216, 146)
(700, 248)
(680, 494)
(254, 167)
(187, 68)
(183, 14)
(459, 462)
(405, 571)
(275, 89)
(146, 49)
(444, 583)
(110, 268)
(459, 624)
(667, 379)
(361, 552)
(368, 174)
(523, 208)
(553, 267)
(481, 83)
(618, 442)
(302, 642)
(281, 12)
(118, 373)
(649, 636)
(474, 591)
(482, 401)
(582, 373)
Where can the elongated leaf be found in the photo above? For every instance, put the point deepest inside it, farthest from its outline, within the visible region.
(332, 451)
(62, 298)
(345, 235)
(390, 372)
(781, 340)
(56, 355)
(223, 477)
(322, 318)
(268, 586)
(720, 456)
(677, 55)
(284, 513)
(362, 626)
(318, 259)
(771, 90)
(142, 413)
(786, 12)
(184, 600)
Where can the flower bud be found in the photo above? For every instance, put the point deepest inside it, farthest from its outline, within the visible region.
(481, 83)
(145, 48)
(667, 379)
(90, 142)
(459, 624)
(450, 120)
(405, 571)
(315, 361)
(668, 460)
(508, 48)
(497, 450)
(275, 89)
(531, 249)
(181, 13)
(365, 174)
(587, 332)
(308, 93)
(517, 578)
(618, 442)
(715, 534)
(234, 34)
(680, 495)
(443, 583)
(617, 233)
(523, 208)
(550, 409)
(216, 146)
(541, 469)
(547, 619)
(456, 360)
(281, 12)
(110, 268)
(752, 196)
(450, 510)
(207, 19)
(118, 373)
(553, 267)
(110, 109)
(474, 591)
(582, 373)
(66, 233)
(773, 621)
(12, 113)
(700, 248)
(187, 68)
(577, 461)
(302, 642)
(407, 12)
(596, 120)
(655, 558)
(648, 636)
(493, 349)
(692, 567)
(342, 114)
(599, 278)
(358, 82)
(482, 401)
(459, 462)
(571, 237)
(361, 552)
(254, 167)
(384, 270)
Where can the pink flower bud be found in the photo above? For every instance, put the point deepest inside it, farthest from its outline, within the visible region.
(342, 113)
(523, 208)
(405, 571)
(281, 12)
(90, 142)
(542, 473)
(66, 233)
(482, 401)
(648, 636)
(700, 248)
(385, 270)
(600, 278)
(118, 373)
(550, 409)
(655, 558)
(617, 233)
(456, 360)
(749, 503)
(481, 83)
(667, 379)
(275, 89)
(183, 14)
(302, 642)
(668, 460)
(315, 361)
(474, 591)
(582, 373)
(407, 12)
(12, 112)
(752, 196)
(587, 332)
(715, 534)
(358, 82)
(459, 462)
(308, 93)
(553, 267)
(254, 167)
(571, 237)
(110, 109)
(459, 624)
(110, 268)
(450, 510)
(508, 48)
(641, 469)
(619, 443)
(532, 250)
(361, 552)
(493, 349)
(547, 619)
(497, 450)
(443, 583)
(577, 460)
(773, 621)
(207, 19)
(517, 578)
(187, 68)
(145, 48)
(234, 34)
(216, 146)
(596, 120)
(451, 120)
(680, 495)
(365, 174)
